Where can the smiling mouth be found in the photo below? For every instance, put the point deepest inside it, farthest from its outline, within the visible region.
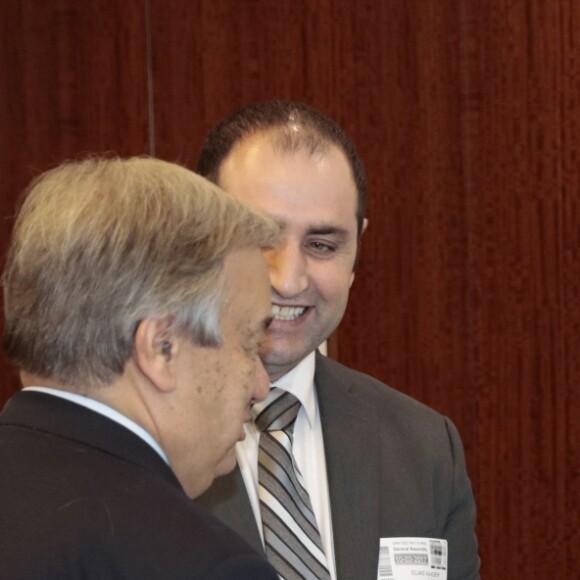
(287, 312)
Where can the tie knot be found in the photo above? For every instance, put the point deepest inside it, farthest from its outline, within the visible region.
(277, 412)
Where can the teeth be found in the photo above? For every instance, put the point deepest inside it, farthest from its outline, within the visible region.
(287, 312)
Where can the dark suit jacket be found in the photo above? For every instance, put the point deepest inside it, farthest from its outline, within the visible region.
(395, 468)
(83, 497)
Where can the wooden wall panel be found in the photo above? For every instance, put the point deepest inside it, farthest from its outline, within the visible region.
(222, 54)
(467, 116)
(407, 319)
(567, 484)
(521, 72)
(73, 80)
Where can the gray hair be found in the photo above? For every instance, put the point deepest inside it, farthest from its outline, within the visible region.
(100, 245)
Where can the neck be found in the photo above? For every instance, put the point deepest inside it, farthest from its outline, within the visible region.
(32, 380)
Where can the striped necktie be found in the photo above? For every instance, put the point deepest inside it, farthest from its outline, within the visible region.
(291, 536)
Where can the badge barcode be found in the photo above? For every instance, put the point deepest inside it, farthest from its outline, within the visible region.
(385, 567)
(437, 553)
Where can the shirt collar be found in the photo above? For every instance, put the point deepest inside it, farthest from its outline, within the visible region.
(105, 410)
(300, 382)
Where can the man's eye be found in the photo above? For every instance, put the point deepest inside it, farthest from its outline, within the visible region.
(322, 247)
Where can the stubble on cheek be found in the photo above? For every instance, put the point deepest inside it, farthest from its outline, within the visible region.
(250, 382)
(218, 378)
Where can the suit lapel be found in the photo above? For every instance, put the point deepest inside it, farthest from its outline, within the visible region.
(352, 452)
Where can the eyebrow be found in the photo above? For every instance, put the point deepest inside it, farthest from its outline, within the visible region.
(318, 230)
(328, 230)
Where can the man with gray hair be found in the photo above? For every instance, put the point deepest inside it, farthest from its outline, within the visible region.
(135, 298)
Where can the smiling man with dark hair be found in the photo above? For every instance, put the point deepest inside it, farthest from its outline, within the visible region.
(369, 464)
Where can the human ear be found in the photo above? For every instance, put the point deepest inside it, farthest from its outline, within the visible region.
(154, 351)
(365, 223)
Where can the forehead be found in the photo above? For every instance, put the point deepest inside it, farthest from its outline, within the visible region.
(315, 188)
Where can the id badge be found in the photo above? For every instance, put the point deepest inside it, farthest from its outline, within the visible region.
(412, 559)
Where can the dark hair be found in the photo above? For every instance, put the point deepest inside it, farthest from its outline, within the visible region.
(318, 130)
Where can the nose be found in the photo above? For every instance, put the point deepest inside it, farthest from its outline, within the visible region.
(262, 387)
(288, 270)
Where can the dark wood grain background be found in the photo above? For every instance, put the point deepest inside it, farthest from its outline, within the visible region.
(467, 114)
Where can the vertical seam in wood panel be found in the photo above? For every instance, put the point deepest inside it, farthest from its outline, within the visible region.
(562, 195)
(150, 100)
(561, 424)
(464, 20)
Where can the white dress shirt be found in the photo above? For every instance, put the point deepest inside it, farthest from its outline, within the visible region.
(105, 410)
(308, 450)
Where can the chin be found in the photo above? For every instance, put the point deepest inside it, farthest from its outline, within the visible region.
(227, 464)
(197, 487)
(287, 355)
(283, 351)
